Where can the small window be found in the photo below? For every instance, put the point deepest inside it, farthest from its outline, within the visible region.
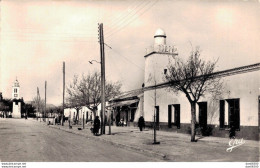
(165, 71)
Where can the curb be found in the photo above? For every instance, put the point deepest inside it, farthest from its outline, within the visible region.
(124, 146)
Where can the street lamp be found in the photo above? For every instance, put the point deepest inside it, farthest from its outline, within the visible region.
(91, 62)
(102, 93)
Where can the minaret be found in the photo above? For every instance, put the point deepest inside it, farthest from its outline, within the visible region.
(16, 100)
(156, 61)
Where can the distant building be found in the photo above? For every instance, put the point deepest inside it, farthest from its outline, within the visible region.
(16, 100)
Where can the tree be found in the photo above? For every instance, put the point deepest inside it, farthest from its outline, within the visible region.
(87, 91)
(39, 104)
(74, 99)
(6, 106)
(28, 110)
(194, 79)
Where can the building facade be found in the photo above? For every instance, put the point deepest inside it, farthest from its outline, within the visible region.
(237, 106)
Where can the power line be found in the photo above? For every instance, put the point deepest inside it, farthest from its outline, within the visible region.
(50, 33)
(128, 59)
(126, 19)
(123, 14)
(120, 19)
(133, 19)
(25, 34)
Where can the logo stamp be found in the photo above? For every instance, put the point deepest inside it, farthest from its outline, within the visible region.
(233, 143)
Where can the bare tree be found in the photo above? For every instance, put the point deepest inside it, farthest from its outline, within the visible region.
(39, 104)
(87, 91)
(194, 80)
(74, 99)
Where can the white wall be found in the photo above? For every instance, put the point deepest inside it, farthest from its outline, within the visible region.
(243, 86)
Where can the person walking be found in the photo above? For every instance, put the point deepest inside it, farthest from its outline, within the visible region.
(96, 125)
(141, 123)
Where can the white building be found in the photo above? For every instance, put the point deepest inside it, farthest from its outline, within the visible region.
(238, 105)
(16, 100)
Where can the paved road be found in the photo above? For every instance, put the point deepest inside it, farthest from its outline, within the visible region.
(29, 141)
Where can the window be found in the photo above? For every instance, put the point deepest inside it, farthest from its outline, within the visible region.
(165, 71)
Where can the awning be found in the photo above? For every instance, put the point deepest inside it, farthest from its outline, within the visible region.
(123, 103)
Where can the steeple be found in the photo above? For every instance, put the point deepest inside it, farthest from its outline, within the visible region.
(15, 90)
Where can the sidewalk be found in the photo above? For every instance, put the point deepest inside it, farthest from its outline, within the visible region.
(173, 146)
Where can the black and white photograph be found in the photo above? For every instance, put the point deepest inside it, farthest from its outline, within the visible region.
(129, 83)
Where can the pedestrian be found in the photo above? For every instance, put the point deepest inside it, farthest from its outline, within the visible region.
(96, 125)
(232, 132)
(122, 122)
(141, 123)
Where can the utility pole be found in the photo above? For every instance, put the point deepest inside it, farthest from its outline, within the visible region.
(38, 102)
(45, 101)
(103, 101)
(62, 115)
(155, 115)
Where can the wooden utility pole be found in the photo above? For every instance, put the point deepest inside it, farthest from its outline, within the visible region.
(45, 101)
(62, 115)
(102, 55)
(38, 102)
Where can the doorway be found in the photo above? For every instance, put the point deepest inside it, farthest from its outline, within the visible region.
(177, 120)
(203, 115)
(234, 113)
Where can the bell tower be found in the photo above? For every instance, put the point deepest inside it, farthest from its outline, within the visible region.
(16, 100)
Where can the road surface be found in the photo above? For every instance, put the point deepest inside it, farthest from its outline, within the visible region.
(30, 141)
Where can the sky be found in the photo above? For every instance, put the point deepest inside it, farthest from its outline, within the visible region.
(38, 35)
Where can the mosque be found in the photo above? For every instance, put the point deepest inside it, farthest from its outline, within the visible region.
(238, 106)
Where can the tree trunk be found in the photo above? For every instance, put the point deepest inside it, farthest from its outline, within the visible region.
(193, 121)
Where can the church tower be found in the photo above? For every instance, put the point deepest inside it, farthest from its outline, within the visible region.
(16, 100)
